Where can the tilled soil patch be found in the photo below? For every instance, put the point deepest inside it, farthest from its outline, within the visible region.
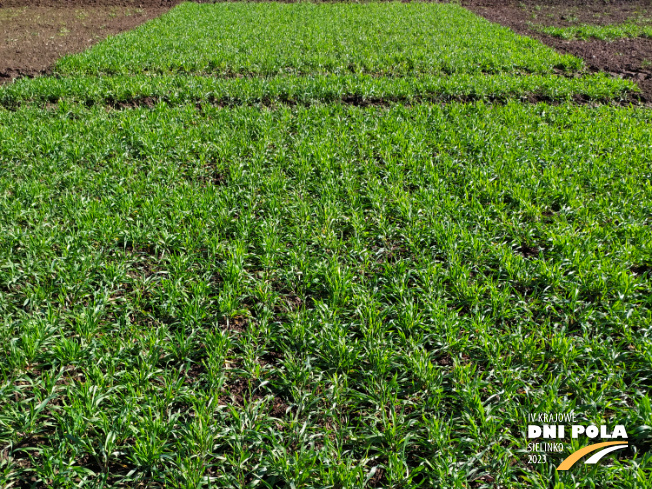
(627, 58)
(566, 13)
(33, 37)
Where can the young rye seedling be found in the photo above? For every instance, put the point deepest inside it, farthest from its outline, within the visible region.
(317, 291)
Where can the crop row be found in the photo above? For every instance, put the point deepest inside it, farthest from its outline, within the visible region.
(603, 32)
(271, 39)
(320, 295)
(303, 90)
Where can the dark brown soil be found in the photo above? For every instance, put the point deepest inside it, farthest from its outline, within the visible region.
(87, 3)
(33, 36)
(626, 58)
(566, 13)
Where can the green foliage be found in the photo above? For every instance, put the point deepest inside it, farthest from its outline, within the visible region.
(305, 90)
(272, 38)
(603, 32)
(325, 276)
(296, 296)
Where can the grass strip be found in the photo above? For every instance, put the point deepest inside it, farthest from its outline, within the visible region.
(306, 90)
(389, 38)
(602, 32)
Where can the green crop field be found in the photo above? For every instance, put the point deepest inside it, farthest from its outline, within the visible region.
(321, 245)
(267, 39)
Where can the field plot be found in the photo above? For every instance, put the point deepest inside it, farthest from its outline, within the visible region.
(269, 39)
(344, 269)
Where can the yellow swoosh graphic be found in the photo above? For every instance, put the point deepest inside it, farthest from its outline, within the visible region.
(575, 456)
